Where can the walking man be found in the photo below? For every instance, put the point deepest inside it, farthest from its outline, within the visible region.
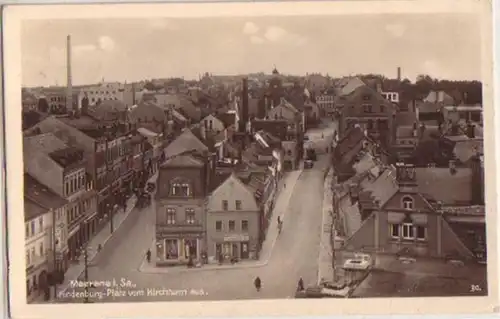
(148, 256)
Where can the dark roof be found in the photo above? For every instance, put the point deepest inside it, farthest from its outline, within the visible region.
(227, 118)
(39, 195)
(351, 138)
(277, 128)
(443, 185)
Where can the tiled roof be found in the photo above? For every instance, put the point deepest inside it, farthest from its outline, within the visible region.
(384, 186)
(227, 118)
(441, 185)
(366, 163)
(44, 143)
(147, 111)
(466, 149)
(277, 128)
(351, 138)
(185, 142)
(351, 85)
(40, 195)
(183, 161)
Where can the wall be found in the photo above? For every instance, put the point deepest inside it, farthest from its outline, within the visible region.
(45, 170)
(214, 236)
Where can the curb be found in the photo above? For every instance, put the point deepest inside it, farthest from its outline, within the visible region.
(323, 224)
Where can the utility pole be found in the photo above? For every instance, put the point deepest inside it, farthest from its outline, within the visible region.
(86, 274)
(54, 246)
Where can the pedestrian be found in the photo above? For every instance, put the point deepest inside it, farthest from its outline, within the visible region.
(279, 220)
(300, 285)
(258, 284)
(284, 185)
(148, 255)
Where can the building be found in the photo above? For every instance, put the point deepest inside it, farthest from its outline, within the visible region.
(45, 220)
(180, 210)
(463, 114)
(183, 184)
(416, 212)
(326, 103)
(213, 124)
(102, 92)
(29, 101)
(233, 221)
(372, 112)
(56, 99)
(106, 150)
(156, 140)
(62, 170)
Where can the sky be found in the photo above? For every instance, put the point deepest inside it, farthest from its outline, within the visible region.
(446, 46)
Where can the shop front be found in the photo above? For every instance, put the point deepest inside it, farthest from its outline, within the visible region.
(178, 250)
(238, 246)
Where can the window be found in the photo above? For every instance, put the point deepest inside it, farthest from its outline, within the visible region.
(32, 253)
(407, 202)
(237, 204)
(367, 108)
(244, 225)
(232, 225)
(420, 230)
(40, 222)
(395, 230)
(225, 205)
(408, 231)
(42, 252)
(218, 225)
(32, 227)
(190, 216)
(27, 230)
(28, 257)
(366, 97)
(175, 189)
(171, 216)
(171, 249)
(185, 191)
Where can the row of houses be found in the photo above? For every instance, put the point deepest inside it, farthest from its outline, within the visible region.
(80, 168)
(405, 210)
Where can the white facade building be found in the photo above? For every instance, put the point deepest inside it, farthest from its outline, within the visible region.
(102, 92)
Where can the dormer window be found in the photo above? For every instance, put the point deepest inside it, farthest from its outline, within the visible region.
(180, 189)
(407, 202)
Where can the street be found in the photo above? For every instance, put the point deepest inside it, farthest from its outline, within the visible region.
(295, 254)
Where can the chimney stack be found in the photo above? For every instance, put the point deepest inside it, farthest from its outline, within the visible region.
(69, 85)
(399, 73)
(244, 106)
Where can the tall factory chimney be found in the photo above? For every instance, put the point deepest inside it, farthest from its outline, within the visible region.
(244, 106)
(399, 73)
(69, 85)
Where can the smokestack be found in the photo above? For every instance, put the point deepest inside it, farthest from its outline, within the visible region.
(244, 106)
(69, 85)
(399, 73)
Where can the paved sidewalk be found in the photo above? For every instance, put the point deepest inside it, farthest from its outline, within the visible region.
(325, 259)
(280, 209)
(101, 238)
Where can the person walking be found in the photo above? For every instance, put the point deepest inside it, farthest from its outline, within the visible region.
(257, 283)
(148, 255)
(300, 285)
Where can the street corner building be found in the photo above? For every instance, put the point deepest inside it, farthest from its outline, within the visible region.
(180, 201)
(233, 222)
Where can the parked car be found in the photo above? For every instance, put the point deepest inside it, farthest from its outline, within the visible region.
(308, 164)
(359, 262)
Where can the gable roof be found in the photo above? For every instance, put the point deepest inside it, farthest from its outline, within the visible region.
(44, 143)
(347, 86)
(384, 186)
(234, 183)
(185, 160)
(185, 142)
(351, 138)
(41, 196)
(441, 185)
(439, 97)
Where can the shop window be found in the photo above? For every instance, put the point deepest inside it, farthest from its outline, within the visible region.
(172, 249)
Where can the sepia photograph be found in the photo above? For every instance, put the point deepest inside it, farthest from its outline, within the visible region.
(248, 157)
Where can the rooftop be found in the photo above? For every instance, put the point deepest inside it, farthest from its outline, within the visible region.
(40, 198)
(185, 142)
(445, 186)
